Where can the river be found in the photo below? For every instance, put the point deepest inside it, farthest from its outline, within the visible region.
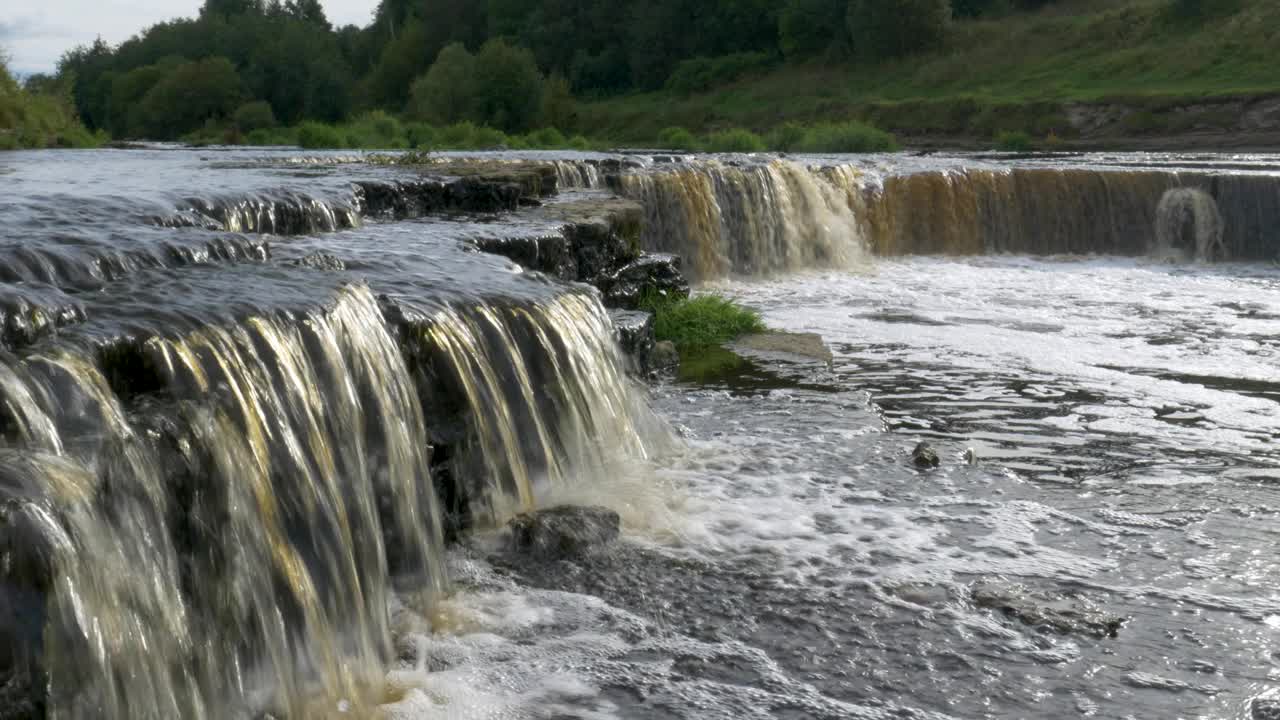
(236, 394)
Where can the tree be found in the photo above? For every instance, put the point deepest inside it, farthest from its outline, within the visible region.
(508, 87)
(193, 94)
(810, 27)
(881, 29)
(446, 93)
(255, 115)
(308, 11)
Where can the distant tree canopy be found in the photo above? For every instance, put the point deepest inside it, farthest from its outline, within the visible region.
(484, 61)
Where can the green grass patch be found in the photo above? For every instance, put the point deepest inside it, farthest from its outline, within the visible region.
(701, 321)
(846, 137)
(1014, 141)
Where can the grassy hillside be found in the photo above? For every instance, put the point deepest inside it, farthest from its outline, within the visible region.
(1012, 73)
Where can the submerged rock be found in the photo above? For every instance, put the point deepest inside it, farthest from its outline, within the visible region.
(1066, 616)
(320, 261)
(924, 456)
(664, 356)
(563, 531)
(804, 347)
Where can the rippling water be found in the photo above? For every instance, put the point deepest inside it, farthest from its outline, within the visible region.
(791, 563)
(785, 559)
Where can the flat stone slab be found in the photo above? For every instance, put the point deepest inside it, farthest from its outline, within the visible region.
(792, 347)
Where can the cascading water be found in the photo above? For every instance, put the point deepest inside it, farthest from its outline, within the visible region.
(545, 398)
(275, 465)
(759, 217)
(750, 219)
(1188, 223)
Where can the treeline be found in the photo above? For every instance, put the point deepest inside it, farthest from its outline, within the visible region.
(514, 65)
(39, 115)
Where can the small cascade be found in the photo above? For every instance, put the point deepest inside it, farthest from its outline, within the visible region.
(537, 397)
(753, 219)
(1188, 224)
(578, 174)
(284, 213)
(223, 542)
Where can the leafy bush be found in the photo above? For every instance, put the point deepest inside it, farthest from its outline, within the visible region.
(318, 136)
(677, 138)
(700, 74)
(786, 138)
(376, 130)
(486, 138)
(1014, 141)
(256, 115)
(702, 321)
(736, 140)
(422, 135)
(546, 138)
(846, 137)
(578, 142)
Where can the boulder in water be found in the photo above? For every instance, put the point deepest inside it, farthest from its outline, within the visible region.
(564, 531)
(924, 456)
(1066, 616)
(658, 274)
(634, 331)
(664, 356)
(1265, 706)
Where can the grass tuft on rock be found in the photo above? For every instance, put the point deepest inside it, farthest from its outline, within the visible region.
(702, 321)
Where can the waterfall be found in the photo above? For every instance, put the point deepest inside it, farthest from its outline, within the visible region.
(780, 216)
(754, 219)
(1188, 223)
(544, 396)
(226, 541)
(578, 174)
(210, 522)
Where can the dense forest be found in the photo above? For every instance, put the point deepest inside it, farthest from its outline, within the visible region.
(242, 69)
(508, 64)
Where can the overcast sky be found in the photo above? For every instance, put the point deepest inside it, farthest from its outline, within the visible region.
(36, 32)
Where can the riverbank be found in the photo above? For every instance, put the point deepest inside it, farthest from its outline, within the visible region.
(1077, 74)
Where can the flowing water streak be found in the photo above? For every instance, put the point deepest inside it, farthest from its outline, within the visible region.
(578, 174)
(547, 397)
(237, 558)
(1188, 221)
(754, 219)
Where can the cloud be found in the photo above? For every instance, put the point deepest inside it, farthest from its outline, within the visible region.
(36, 32)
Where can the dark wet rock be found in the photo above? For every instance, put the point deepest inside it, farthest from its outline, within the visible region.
(803, 347)
(34, 311)
(1063, 615)
(657, 274)
(634, 331)
(403, 200)
(563, 531)
(924, 456)
(1265, 706)
(321, 261)
(546, 253)
(664, 356)
(603, 234)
